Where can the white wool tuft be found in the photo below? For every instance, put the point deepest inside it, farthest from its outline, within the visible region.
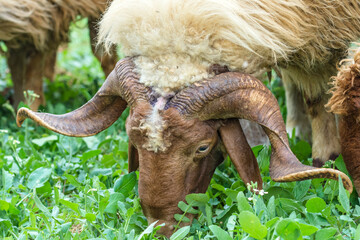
(173, 72)
(154, 127)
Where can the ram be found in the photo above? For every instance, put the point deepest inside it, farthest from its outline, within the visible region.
(181, 79)
(32, 31)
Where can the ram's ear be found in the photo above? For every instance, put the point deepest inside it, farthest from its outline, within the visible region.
(240, 152)
(133, 156)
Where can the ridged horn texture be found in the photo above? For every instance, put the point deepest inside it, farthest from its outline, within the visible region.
(236, 95)
(121, 88)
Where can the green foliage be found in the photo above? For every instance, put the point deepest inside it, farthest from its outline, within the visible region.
(181, 233)
(250, 223)
(57, 187)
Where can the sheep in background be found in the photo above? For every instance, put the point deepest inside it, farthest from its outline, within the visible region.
(185, 102)
(346, 102)
(32, 31)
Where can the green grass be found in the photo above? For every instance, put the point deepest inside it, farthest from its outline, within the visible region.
(58, 187)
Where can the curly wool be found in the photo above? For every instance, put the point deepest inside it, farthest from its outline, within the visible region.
(170, 35)
(345, 98)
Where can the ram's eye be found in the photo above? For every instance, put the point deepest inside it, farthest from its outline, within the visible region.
(202, 149)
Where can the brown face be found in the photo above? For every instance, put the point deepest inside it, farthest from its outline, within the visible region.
(186, 165)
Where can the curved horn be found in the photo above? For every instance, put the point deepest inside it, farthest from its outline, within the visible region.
(236, 95)
(119, 89)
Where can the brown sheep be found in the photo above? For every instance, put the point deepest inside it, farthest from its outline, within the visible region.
(346, 102)
(183, 102)
(32, 31)
(178, 142)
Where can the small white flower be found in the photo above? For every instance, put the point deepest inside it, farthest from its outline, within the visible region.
(255, 190)
(262, 192)
(250, 198)
(92, 190)
(15, 142)
(35, 95)
(3, 131)
(58, 185)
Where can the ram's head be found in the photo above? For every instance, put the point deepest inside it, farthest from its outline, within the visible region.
(179, 140)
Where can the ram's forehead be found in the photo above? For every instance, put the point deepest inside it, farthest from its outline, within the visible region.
(160, 128)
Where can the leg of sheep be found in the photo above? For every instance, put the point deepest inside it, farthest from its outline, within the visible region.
(296, 117)
(314, 85)
(107, 61)
(27, 69)
(254, 133)
(50, 62)
(33, 77)
(325, 137)
(17, 63)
